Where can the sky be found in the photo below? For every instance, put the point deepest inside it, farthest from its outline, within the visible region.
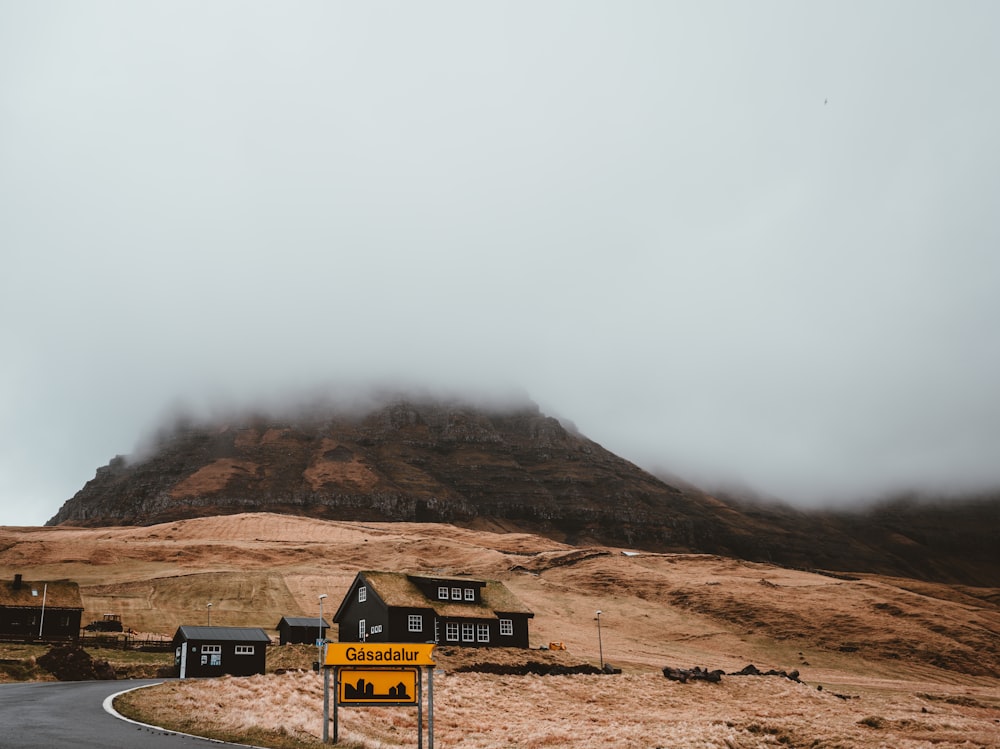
(755, 245)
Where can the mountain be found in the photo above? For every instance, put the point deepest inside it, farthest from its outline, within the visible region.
(509, 467)
(409, 460)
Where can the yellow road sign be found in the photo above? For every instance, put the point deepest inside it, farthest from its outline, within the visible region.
(379, 654)
(378, 686)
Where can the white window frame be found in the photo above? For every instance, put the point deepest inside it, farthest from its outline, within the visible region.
(468, 632)
(362, 594)
(415, 623)
(211, 649)
(482, 633)
(362, 630)
(507, 627)
(243, 650)
(470, 594)
(451, 631)
(456, 594)
(443, 593)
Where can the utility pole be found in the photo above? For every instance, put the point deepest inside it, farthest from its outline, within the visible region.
(41, 621)
(600, 645)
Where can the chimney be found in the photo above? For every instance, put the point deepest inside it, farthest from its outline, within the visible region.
(17, 581)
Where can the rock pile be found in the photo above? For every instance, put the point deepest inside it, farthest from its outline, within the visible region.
(73, 663)
(685, 675)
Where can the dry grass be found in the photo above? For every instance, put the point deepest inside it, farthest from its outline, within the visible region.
(480, 711)
(895, 647)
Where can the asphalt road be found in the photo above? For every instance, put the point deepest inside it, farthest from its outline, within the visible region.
(58, 714)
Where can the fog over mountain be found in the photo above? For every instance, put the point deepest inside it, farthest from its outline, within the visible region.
(751, 245)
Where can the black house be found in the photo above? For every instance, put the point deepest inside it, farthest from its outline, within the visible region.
(214, 651)
(301, 629)
(40, 610)
(397, 607)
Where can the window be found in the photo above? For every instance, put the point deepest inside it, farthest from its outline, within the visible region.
(451, 631)
(443, 593)
(470, 594)
(456, 594)
(507, 627)
(468, 633)
(482, 633)
(211, 655)
(361, 630)
(416, 623)
(244, 650)
(362, 594)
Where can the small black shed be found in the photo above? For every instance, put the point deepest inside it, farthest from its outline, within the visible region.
(301, 629)
(214, 651)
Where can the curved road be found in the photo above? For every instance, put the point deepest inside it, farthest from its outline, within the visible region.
(53, 714)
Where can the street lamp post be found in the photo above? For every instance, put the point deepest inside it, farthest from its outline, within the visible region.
(600, 645)
(209, 609)
(319, 640)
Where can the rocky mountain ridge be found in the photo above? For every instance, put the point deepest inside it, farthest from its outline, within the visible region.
(405, 461)
(511, 468)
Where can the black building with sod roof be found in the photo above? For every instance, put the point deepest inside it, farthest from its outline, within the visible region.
(44, 610)
(214, 651)
(398, 607)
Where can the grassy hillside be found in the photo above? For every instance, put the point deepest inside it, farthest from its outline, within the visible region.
(857, 636)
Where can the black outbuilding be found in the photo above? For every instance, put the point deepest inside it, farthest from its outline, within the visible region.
(214, 651)
(301, 629)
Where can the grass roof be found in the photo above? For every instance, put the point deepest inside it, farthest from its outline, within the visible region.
(399, 589)
(57, 594)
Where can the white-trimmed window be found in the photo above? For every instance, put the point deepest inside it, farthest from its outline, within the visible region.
(244, 650)
(415, 623)
(211, 655)
(507, 627)
(468, 632)
(362, 594)
(443, 593)
(482, 633)
(470, 594)
(451, 631)
(456, 594)
(361, 630)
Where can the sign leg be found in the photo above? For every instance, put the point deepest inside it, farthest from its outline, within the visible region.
(430, 707)
(420, 712)
(326, 704)
(336, 701)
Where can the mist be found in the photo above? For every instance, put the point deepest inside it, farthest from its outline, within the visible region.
(754, 246)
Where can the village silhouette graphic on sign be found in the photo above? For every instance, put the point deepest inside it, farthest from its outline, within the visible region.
(371, 686)
(365, 690)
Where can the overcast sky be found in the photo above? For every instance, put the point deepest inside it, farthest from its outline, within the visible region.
(754, 244)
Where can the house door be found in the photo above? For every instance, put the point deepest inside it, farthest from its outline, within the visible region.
(184, 658)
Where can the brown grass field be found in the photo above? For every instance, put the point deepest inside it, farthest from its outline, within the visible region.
(883, 662)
